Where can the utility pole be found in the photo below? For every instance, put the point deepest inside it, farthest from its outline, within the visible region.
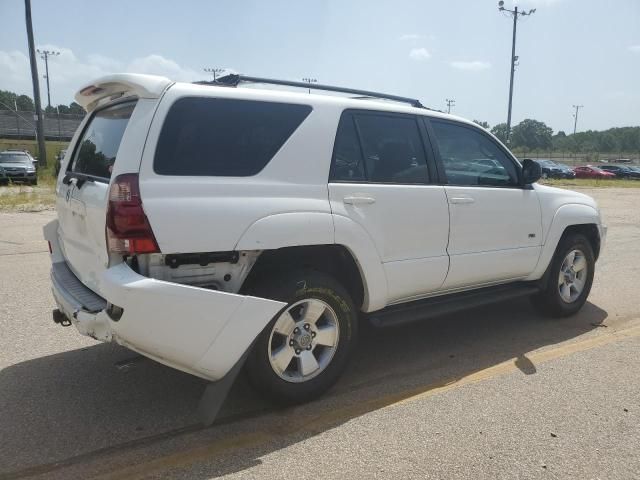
(214, 71)
(42, 152)
(515, 14)
(45, 54)
(310, 80)
(450, 103)
(575, 122)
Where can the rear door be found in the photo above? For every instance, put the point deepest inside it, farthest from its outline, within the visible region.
(380, 179)
(496, 224)
(82, 192)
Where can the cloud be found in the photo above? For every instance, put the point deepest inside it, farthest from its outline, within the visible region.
(158, 65)
(530, 3)
(69, 73)
(419, 54)
(472, 66)
(411, 36)
(634, 48)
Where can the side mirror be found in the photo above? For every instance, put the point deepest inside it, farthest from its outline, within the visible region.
(531, 171)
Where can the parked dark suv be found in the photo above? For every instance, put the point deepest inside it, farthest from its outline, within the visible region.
(551, 169)
(621, 171)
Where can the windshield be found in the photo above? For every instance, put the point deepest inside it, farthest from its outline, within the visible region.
(14, 158)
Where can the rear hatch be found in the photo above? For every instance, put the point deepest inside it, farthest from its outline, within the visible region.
(82, 195)
(109, 145)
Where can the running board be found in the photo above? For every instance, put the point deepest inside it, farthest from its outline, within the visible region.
(441, 305)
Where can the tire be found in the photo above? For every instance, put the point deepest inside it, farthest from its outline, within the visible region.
(34, 182)
(564, 295)
(307, 293)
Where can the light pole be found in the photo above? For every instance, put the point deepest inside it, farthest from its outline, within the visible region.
(310, 80)
(450, 103)
(214, 71)
(575, 115)
(515, 13)
(45, 54)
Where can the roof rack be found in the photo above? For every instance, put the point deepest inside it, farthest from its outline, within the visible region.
(233, 80)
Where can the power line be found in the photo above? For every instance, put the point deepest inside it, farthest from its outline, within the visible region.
(310, 80)
(450, 103)
(575, 122)
(45, 54)
(214, 71)
(515, 14)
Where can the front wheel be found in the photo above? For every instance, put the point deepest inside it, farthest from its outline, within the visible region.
(570, 278)
(305, 348)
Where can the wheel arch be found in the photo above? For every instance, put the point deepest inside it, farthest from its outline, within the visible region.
(572, 218)
(335, 260)
(331, 243)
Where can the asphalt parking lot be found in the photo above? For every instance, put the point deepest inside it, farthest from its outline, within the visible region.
(497, 392)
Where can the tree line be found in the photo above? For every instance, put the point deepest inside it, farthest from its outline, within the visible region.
(532, 134)
(24, 103)
(528, 135)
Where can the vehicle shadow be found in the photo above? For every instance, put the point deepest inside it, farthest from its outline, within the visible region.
(66, 409)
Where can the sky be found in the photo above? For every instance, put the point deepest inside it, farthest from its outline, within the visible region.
(584, 52)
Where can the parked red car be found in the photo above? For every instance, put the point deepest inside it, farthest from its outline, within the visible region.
(592, 172)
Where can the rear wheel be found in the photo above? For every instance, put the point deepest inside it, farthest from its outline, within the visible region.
(570, 278)
(305, 348)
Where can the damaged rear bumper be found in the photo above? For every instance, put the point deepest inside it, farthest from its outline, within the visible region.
(196, 330)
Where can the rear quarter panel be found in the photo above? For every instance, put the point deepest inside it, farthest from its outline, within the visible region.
(201, 214)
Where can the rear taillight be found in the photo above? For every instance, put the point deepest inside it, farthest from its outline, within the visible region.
(128, 229)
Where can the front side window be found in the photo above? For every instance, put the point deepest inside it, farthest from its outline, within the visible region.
(379, 149)
(471, 158)
(97, 150)
(224, 137)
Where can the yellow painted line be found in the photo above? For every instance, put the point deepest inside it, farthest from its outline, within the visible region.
(543, 356)
(325, 420)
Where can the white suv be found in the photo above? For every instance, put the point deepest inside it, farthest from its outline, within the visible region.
(208, 226)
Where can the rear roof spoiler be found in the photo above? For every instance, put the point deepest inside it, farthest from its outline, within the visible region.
(121, 85)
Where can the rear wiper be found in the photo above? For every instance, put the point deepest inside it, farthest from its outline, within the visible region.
(80, 178)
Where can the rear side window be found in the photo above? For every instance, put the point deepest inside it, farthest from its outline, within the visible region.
(379, 149)
(98, 147)
(224, 137)
(348, 162)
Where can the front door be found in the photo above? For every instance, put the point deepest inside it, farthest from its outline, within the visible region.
(380, 179)
(496, 225)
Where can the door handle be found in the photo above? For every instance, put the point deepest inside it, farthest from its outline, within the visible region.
(358, 200)
(461, 200)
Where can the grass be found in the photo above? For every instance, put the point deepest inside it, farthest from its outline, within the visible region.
(27, 198)
(590, 183)
(52, 147)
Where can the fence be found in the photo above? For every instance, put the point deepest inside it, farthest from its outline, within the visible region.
(21, 125)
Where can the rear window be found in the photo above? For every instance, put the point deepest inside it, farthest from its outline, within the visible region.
(224, 137)
(98, 147)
